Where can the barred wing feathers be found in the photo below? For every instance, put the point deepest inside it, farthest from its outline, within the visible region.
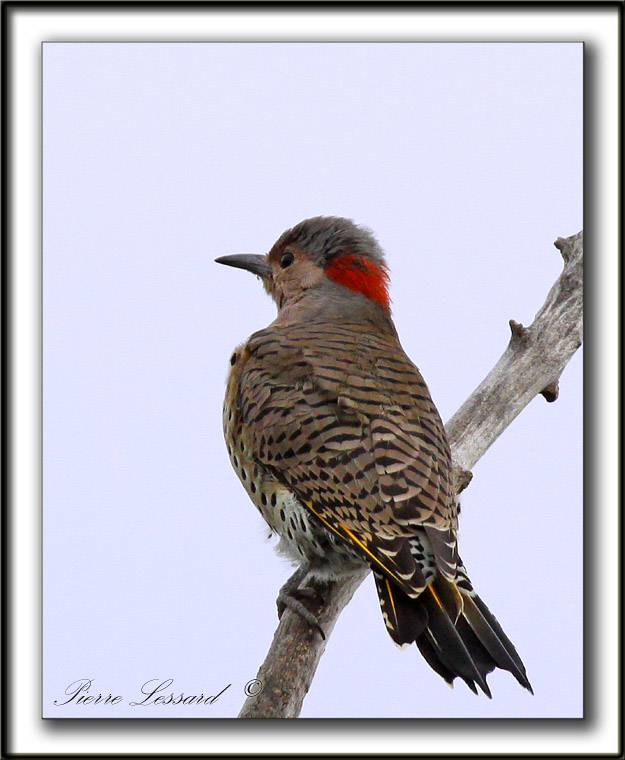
(344, 419)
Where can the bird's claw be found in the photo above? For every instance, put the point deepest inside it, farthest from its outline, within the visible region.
(287, 600)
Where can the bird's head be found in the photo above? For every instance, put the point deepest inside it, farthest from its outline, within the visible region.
(316, 252)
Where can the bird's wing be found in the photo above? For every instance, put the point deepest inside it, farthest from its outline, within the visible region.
(344, 419)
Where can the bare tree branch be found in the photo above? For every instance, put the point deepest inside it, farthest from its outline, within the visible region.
(531, 365)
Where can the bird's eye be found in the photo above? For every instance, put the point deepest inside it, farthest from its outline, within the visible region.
(286, 260)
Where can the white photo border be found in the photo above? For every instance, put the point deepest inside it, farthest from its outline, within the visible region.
(25, 27)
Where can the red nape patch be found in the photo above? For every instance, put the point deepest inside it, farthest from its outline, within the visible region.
(362, 275)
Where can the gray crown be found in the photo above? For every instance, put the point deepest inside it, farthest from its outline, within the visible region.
(324, 237)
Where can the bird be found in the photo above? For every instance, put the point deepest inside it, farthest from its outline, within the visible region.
(333, 433)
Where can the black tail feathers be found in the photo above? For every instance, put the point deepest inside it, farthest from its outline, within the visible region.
(454, 630)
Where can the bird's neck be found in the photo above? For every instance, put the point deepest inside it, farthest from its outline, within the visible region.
(363, 275)
(332, 302)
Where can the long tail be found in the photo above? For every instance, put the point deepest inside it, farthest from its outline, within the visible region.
(455, 631)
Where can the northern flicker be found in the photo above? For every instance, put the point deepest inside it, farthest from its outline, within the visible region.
(333, 434)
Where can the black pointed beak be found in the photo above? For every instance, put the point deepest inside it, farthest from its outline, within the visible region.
(253, 262)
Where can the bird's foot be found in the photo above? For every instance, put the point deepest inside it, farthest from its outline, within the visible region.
(290, 596)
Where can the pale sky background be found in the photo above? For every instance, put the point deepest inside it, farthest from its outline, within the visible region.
(466, 161)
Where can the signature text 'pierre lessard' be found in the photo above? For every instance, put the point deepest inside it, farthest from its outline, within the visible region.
(153, 692)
